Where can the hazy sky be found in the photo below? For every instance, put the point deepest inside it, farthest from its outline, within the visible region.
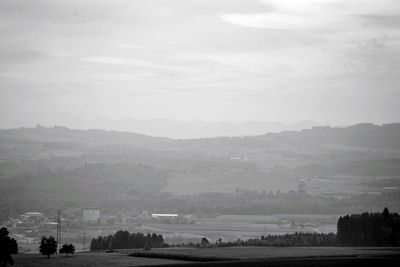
(330, 61)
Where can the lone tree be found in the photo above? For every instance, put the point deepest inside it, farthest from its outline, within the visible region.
(8, 246)
(67, 249)
(204, 242)
(48, 246)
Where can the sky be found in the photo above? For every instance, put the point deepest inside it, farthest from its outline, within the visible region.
(74, 62)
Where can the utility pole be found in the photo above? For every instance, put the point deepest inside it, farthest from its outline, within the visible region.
(84, 240)
(59, 227)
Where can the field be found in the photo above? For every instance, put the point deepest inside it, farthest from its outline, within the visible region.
(233, 227)
(240, 254)
(251, 253)
(226, 227)
(229, 181)
(87, 259)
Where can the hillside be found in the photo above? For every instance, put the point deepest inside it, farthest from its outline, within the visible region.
(116, 169)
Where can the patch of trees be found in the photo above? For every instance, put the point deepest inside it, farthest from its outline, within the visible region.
(8, 246)
(369, 229)
(124, 239)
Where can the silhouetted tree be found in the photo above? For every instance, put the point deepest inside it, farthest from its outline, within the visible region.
(204, 242)
(160, 240)
(67, 249)
(48, 246)
(386, 212)
(8, 246)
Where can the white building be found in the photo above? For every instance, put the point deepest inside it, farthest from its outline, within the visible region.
(164, 215)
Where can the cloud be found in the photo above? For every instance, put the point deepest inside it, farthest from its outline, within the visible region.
(379, 20)
(19, 55)
(315, 14)
(109, 61)
(253, 60)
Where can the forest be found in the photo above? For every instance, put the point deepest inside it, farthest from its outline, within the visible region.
(369, 229)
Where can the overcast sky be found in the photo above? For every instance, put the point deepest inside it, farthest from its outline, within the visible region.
(329, 61)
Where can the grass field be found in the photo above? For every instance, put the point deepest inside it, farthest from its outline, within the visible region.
(253, 255)
(100, 259)
(250, 253)
(233, 227)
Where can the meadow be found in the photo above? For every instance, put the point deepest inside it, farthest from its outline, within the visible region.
(239, 256)
(86, 259)
(233, 227)
(252, 253)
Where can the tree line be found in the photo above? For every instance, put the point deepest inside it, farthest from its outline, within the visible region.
(369, 229)
(287, 240)
(124, 239)
(295, 240)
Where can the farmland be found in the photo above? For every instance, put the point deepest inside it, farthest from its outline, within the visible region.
(86, 259)
(233, 227)
(240, 254)
(251, 253)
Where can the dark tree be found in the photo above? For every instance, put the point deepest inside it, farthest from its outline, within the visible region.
(204, 242)
(67, 249)
(8, 246)
(48, 246)
(160, 240)
(386, 213)
(154, 239)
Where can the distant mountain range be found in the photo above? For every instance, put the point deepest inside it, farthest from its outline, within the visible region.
(365, 135)
(180, 129)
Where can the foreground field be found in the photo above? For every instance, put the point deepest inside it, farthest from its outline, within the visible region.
(242, 255)
(100, 259)
(250, 253)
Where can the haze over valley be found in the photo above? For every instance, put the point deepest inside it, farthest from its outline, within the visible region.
(150, 132)
(119, 167)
